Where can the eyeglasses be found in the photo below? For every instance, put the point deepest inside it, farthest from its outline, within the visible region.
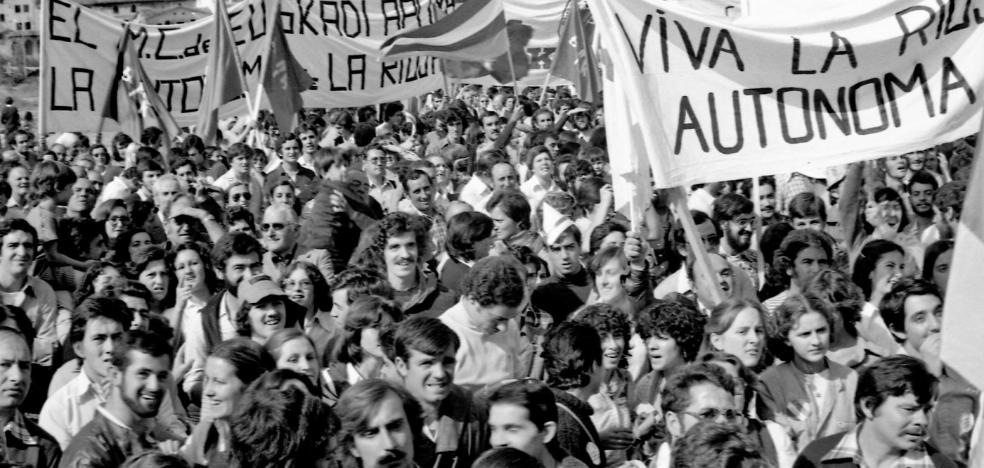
(275, 226)
(712, 414)
(241, 196)
(747, 221)
(119, 219)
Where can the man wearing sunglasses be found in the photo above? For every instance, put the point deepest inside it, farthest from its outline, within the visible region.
(279, 231)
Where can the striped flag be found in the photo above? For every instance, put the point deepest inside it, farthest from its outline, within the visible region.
(223, 81)
(283, 78)
(132, 100)
(476, 30)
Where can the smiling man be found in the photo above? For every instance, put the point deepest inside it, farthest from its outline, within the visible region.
(454, 426)
(493, 293)
(735, 214)
(894, 402)
(140, 372)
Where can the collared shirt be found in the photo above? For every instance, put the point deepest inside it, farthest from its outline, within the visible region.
(17, 429)
(535, 191)
(848, 449)
(38, 300)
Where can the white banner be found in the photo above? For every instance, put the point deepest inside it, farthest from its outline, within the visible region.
(825, 83)
(337, 41)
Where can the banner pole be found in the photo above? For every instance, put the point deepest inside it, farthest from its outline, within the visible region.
(43, 90)
(757, 236)
(702, 263)
(512, 69)
(444, 79)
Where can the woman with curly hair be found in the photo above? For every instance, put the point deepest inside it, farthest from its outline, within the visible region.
(802, 254)
(359, 355)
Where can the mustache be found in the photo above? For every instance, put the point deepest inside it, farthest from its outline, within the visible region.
(392, 456)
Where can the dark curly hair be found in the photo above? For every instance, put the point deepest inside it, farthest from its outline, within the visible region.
(788, 315)
(464, 230)
(281, 427)
(570, 352)
(497, 280)
(366, 312)
(607, 319)
(867, 261)
(212, 282)
(676, 320)
(844, 297)
(369, 254)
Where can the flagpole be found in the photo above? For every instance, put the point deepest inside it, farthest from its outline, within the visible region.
(444, 78)
(512, 69)
(42, 75)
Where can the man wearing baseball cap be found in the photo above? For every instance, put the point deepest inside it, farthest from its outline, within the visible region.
(265, 310)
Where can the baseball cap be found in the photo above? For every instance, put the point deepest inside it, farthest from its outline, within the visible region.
(254, 290)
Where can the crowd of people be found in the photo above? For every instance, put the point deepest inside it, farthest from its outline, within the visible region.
(447, 284)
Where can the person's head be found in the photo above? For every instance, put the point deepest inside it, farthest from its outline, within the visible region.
(240, 159)
(949, 200)
(117, 217)
(399, 243)
(697, 392)
(543, 119)
(936, 263)
(15, 318)
(166, 189)
(672, 332)
(149, 171)
(279, 228)
(97, 328)
(504, 176)
(723, 278)
(894, 399)
(292, 349)
(843, 296)
(510, 213)
(15, 368)
(523, 416)
(365, 319)
(540, 162)
(238, 194)
(887, 211)
(82, 198)
(419, 189)
(878, 260)
(506, 457)
(353, 283)
(738, 326)
(281, 427)
(913, 311)
(138, 301)
(607, 234)
(564, 253)
(141, 371)
(281, 194)
(803, 327)
(709, 232)
(240, 219)
(192, 267)
(714, 444)
(735, 215)
(424, 354)
(101, 279)
(306, 286)
(608, 270)
(493, 292)
(572, 357)
(18, 241)
(379, 420)
(469, 236)
(802, 254)
(491, 125)
(807, 211)
(895, 166)
(921, 187)
(150, 268)
(614, 330)
(264, 309)
(229, 369)
(52, 180)
(236, 256)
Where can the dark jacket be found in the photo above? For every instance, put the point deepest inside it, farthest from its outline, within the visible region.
(561, 296)
(813, 454)
(210, 321)
(576, 434)
(462, 433)
(429, 299)
(104, 444)
(46, 454)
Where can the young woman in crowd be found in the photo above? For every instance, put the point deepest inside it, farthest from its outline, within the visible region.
(936, 263)
(739, 327)
(129, 243)
(802, 254)
(306, 286)
(359, 355)
(231, 367)
(292, 349)
(810, 395)
(879, 266)
(115, 218)
(846, 300)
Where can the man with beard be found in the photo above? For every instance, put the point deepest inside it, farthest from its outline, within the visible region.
(921, 188)
(97, 329)
(125, 425)
(399, 242)
(493, 293)
(22, 443)
(235, 257)
(454, 426)
(894, 400)
(735, 214)
(379, 422)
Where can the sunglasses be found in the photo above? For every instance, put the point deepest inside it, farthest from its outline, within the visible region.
(241, 196)
(275, 226)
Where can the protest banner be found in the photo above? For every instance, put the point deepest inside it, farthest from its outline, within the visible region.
(720, 98)
(336, 41)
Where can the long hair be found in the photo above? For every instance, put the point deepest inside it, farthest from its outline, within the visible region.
(322, 293)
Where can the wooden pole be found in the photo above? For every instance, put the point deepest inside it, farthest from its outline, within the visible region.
(702, 263)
